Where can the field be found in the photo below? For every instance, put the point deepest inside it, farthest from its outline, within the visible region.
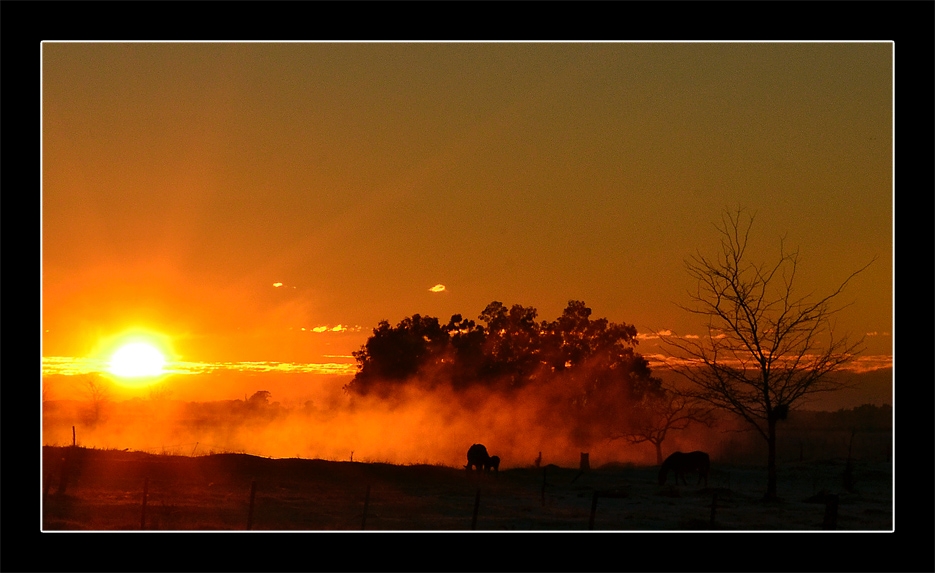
(107, 490)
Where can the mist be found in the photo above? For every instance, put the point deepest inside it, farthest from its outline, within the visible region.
(311, 416)
(417, 426)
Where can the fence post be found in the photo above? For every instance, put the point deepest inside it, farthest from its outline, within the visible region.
(476, 506)
(593, 508)
(66, 470)
(74, 441)
(585, 464)
(143, 510)
(252, 497)
(849, 468)
(831, 512)
(544, 470)
(363, 522)
(713, 507)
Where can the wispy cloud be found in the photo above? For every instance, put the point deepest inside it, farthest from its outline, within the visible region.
(69, 366)
(336, 328)
(859, 365)
(870, 363)
(653, 335)
(665, 333)
(438, 288)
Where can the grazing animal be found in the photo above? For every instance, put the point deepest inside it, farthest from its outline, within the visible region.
(682, 463)
(477, 458)
(494, 463)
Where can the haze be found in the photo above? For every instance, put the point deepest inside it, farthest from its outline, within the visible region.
(255, 202)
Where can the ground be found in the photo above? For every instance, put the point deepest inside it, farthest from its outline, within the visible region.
(104, 490)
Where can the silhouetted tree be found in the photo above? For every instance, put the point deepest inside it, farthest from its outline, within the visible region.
(467, 361)
(659, 412)
(159, 393)
(396, 354)
(767, 347)
(596, 362)
(510, 350)
(511, 347)
(574, 338)
(599, 352)
(97, 393)
(259, 399)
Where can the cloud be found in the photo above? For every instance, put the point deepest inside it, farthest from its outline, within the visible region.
(870, 363)
(663, 333)
(859, 365)
(438, 288)
(337, 328)
(70, 366)
(655, 335)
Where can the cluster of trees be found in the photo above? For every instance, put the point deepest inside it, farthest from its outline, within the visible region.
(508, 350)
(867, 417)
(767, 350)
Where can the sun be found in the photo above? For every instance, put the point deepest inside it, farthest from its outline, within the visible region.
(137, 360)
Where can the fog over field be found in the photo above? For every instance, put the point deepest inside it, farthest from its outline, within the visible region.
(312, 417)
(321, 271)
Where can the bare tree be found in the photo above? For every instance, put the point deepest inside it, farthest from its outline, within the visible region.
(47, 392)
(657, 414)
(767, 346)
(159, 393)
(97, 392)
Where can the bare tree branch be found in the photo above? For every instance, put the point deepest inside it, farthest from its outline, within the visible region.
(658, 413)
(767, 347)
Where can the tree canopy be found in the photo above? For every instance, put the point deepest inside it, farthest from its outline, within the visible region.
(508, 349)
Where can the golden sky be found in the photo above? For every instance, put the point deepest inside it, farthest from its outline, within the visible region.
(274, 202)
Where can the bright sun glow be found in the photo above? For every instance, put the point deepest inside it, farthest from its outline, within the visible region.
(137, 359)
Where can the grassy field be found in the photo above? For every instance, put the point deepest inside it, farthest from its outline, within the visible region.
(92, 489)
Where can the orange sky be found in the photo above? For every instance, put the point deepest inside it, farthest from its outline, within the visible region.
(181, 181)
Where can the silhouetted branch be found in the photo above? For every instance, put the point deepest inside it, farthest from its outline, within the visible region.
(766, 347)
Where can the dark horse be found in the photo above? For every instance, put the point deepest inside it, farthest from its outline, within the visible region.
(682, 463)
(478, 458)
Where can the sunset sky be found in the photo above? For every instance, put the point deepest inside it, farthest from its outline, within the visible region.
(252, 202)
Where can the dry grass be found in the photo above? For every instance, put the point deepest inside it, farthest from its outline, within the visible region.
(104, 491)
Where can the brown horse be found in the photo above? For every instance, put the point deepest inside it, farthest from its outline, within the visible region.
(682, 463)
